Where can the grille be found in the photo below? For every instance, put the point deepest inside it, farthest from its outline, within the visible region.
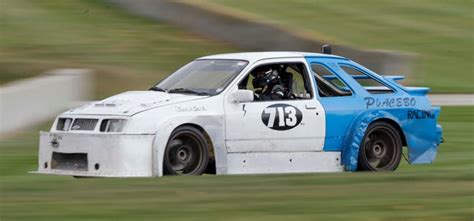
(84, 124)
(69, 161)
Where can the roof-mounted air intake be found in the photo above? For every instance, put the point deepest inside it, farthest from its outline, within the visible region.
(326, 49)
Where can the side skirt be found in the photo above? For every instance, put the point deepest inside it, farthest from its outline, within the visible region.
(283, 162)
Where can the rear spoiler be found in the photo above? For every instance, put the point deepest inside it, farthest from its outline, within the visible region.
(417, 90)
(394, 77)
(421, 91)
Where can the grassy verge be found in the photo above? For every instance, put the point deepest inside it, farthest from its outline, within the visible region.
(441, 32)
(441, 191)
(128, 52)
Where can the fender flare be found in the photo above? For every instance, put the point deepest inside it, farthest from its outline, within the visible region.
(350, 150)
(210, 125)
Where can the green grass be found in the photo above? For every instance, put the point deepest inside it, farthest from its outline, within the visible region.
(441, 191)
(132, 53)
(440, 31)
(128, 52)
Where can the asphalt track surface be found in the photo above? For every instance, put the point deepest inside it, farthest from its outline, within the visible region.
(452, 99)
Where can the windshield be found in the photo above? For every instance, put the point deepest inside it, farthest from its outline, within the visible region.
(202, 77)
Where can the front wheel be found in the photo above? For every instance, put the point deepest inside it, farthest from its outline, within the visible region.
(186, 152)
(381, 148)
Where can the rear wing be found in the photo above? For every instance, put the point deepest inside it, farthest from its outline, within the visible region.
(394, 77)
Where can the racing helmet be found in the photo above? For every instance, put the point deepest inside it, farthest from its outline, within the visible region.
(264, 76)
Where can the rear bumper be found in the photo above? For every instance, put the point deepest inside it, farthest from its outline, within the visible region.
(101, 155)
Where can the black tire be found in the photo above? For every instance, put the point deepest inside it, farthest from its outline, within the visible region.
(381, 148)
(186, 152)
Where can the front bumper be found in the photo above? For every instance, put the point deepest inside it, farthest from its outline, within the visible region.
(102, 155)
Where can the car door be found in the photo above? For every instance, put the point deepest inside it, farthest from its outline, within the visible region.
(276, 125)
(339, 97)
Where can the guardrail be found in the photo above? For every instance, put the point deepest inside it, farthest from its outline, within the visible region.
(28, 102)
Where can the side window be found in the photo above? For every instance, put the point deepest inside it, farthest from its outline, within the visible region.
(299, 87)
(280, 81)
(329, 85)
(366, 81)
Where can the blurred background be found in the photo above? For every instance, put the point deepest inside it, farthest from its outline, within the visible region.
(114, 46)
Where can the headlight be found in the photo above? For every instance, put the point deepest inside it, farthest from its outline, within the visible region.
(63, 124)
(112, 125)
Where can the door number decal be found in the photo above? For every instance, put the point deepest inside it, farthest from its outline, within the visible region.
(281, 116)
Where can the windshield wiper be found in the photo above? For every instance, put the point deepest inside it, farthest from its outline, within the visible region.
(157, 89)
(184, 90)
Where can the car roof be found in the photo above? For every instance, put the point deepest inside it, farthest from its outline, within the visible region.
(256, 56)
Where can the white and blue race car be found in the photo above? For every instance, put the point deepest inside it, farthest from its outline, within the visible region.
(248, 113)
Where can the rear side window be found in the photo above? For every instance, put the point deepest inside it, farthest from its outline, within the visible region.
(366, 81)
(329, 85)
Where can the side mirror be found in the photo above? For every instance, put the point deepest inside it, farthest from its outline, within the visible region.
(241, 96)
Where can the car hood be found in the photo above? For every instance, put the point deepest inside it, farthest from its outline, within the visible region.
(132, 102)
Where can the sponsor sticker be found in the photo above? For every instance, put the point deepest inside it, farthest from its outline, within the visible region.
(389, 102)
(281, 116)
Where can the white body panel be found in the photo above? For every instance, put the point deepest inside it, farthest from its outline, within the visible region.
(245, 131)
(284, 162)
(235, 135)
(117, 155)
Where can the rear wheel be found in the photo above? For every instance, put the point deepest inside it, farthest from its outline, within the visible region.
(381, 148)
(186, 152)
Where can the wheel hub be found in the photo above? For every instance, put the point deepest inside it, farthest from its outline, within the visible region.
(378, 149)
(182, 154)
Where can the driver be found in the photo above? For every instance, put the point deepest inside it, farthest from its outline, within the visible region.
(267, 84)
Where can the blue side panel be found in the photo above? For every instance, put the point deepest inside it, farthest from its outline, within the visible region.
(348, 117)
(340, 113)
(423, 134)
